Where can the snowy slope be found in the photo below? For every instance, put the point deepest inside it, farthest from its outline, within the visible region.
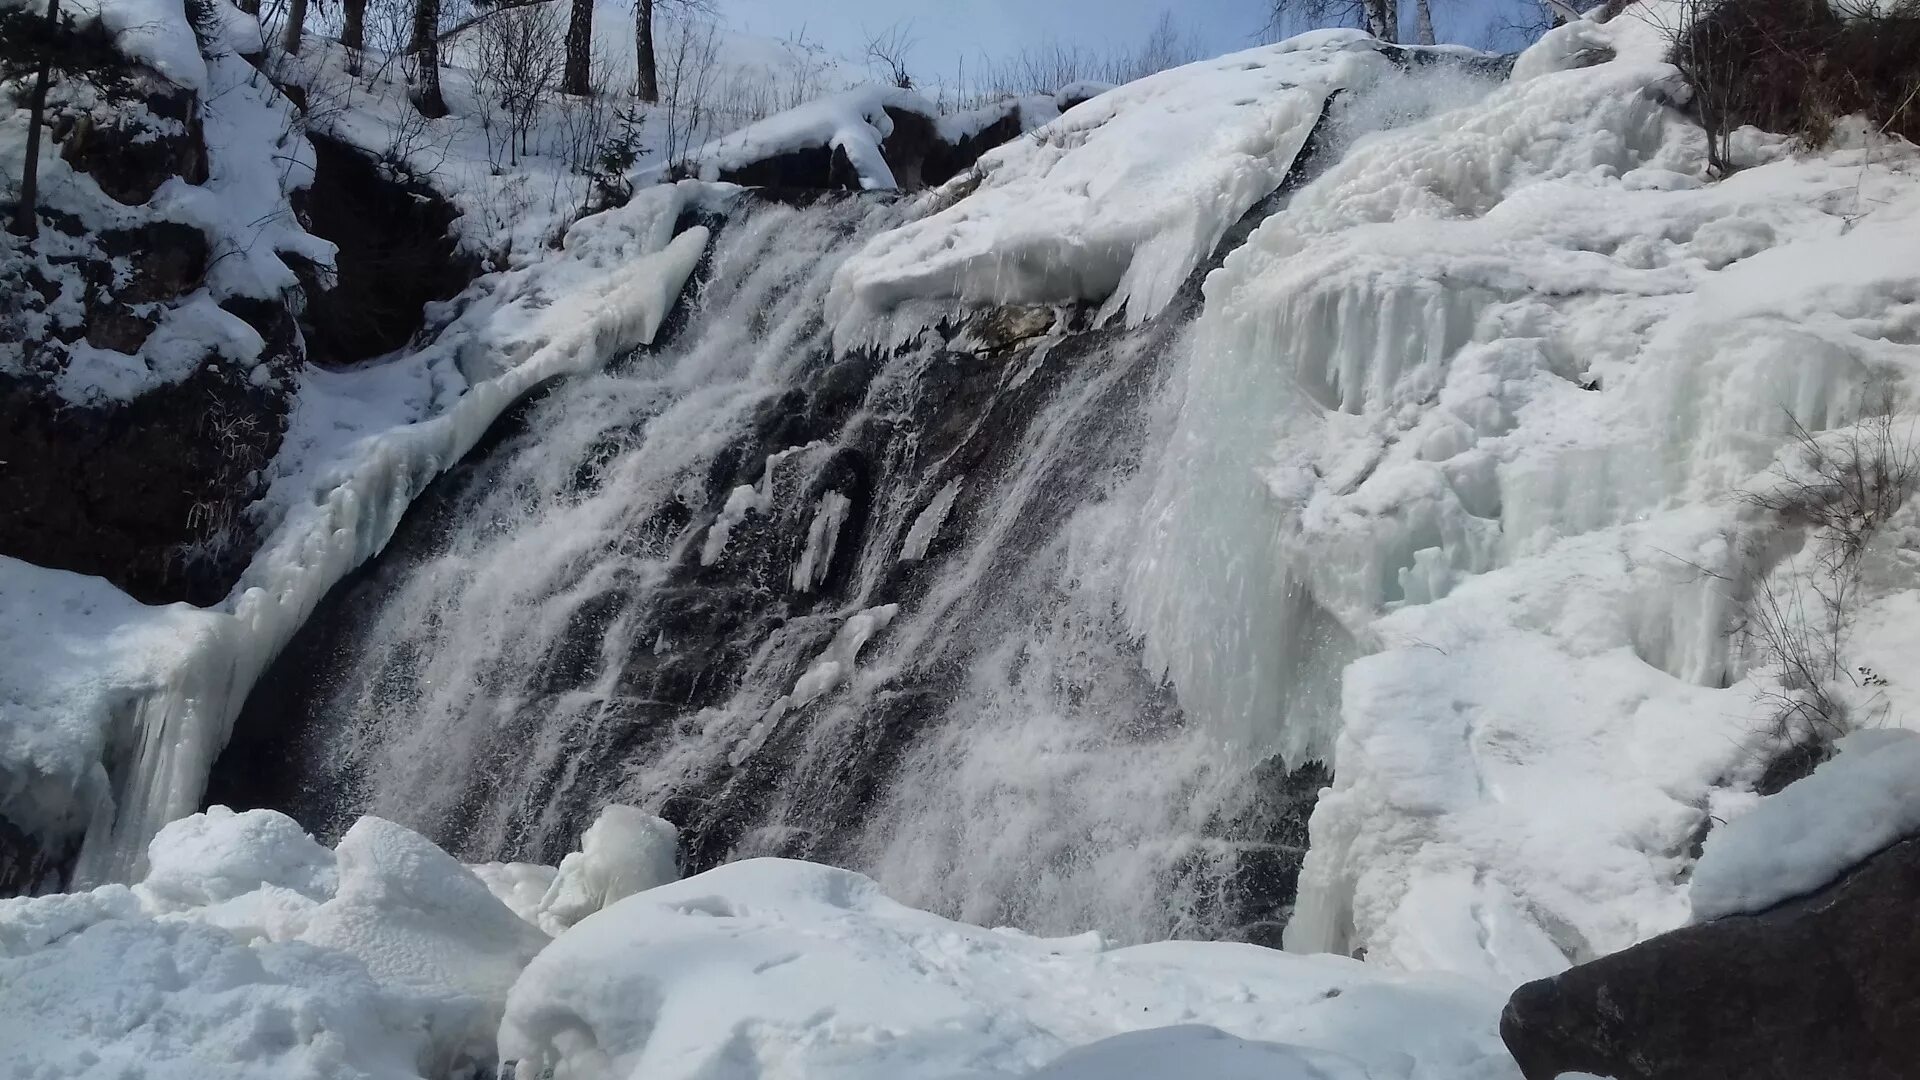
(512, 204)
(257, 158)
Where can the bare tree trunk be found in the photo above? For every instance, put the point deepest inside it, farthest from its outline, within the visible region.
(648, 87)
(426, 41)
(1383, 19)
(25, 221)
(578, 76)
(353, 31)
(1423, 22)
(296, 26)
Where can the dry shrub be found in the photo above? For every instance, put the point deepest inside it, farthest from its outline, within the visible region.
(1794, 66)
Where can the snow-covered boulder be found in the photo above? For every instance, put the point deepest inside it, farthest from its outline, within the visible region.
(1827, 986)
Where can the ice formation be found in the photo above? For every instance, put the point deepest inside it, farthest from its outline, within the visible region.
(156, 709)
(1119, 199)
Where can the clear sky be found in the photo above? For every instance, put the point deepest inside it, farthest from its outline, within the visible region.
(947, 30)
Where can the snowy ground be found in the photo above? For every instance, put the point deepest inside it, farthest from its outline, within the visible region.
(249, 950)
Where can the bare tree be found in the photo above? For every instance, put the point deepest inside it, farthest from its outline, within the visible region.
(295, 28)
(689, 78)
(1423, 22)
(518, 60)
(426, 43)
(1381, 18)
(26, 219)
(579, 73)
(887, 54)
(646, 63)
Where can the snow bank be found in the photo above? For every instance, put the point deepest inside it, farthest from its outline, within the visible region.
(1121, 198)
(770, 968)
(151, 32)
(156, 702)
(1813, 831)
(1472, 406)
(252, 951)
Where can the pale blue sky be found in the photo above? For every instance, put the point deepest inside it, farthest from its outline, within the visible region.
(947, 30)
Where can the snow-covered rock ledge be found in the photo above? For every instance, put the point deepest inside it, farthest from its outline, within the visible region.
(249, 950)
(112, 712)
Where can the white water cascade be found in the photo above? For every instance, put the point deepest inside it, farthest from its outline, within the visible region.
(998, 616)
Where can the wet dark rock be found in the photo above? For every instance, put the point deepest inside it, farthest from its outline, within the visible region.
(131, 155)
(30, 866)
(1825, 986)
(396, 254)
(148, 494)
(915, 152)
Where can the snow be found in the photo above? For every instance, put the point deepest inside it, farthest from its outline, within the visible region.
(1117, 201)
(855, 122)
(151, 32)
(386, 958)
(1813, 830)
(773, 969)
(252, 951)
(257, 157)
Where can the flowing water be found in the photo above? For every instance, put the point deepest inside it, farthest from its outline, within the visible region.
(886, 609)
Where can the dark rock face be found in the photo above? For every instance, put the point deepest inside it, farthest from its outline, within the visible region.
(147, 494)
(1824, 986)
(126, 158)
(396, 254)
(915, 152)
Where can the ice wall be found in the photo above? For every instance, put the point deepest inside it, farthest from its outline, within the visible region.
(1475, 404)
